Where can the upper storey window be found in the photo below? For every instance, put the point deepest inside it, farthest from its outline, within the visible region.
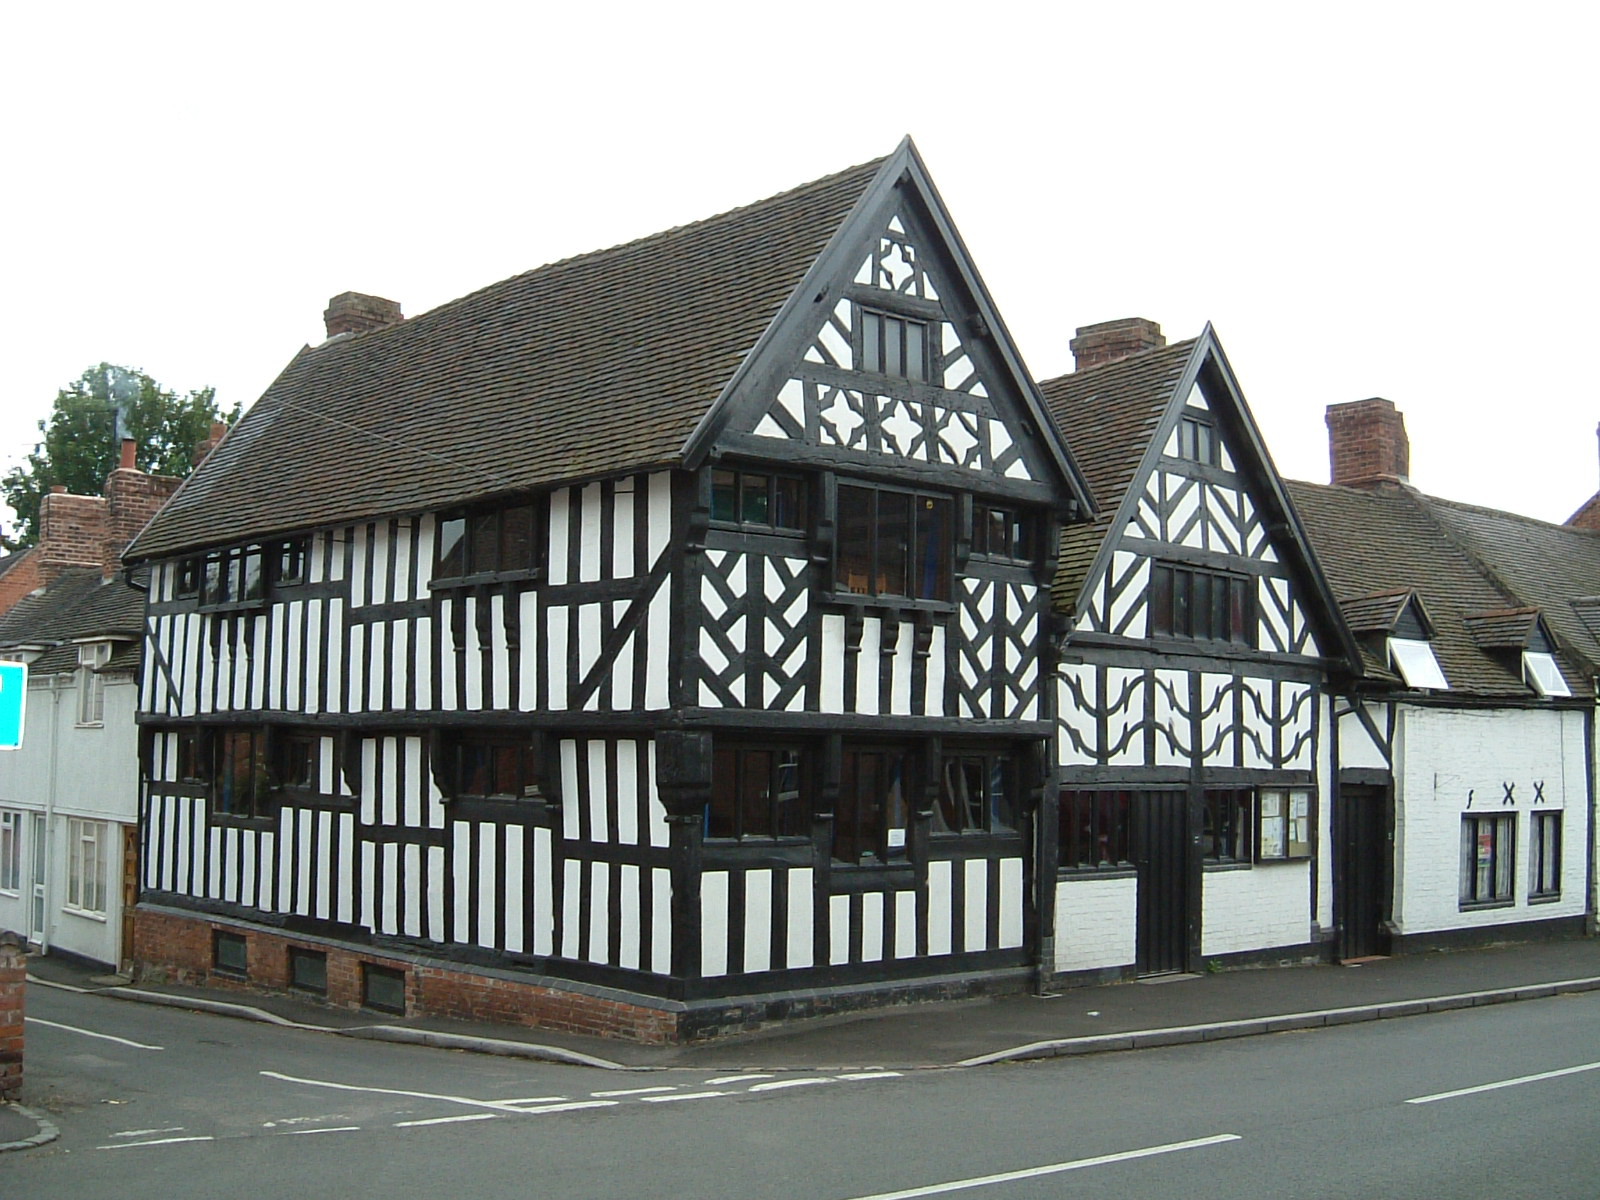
(1205, 605)
(1000, 533)
(892, 345)
(488, 542)
(1197, 441)
(758, 500)
(894, 543)
(242, 576)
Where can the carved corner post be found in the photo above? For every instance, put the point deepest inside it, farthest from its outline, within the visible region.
(683, 780)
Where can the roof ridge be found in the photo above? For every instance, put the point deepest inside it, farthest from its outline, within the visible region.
(1502, 512)
(1141, 357)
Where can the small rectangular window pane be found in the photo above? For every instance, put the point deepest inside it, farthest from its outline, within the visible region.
(893, 349)
(483, 542)
(932, 563)
(788, 503)
(755, 499)
(722, 815)
(516, 538)
(916, 351)
(872, 342)
(894, 543)
(452, 547)
(1161, 600)
(724, 496)
(251, 584)
(756, 794)
(854, 570)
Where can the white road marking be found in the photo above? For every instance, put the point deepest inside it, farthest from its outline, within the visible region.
(573, 1107)
(957, 1185)
(1505, 1083)
(496, 1105)
(157, 1142)
(91, 1033)
(534, 1100)
(681, 1096)
(634, 1091)
(449, 1120)
(329, 1129)
(873, 1075)
(148, 1132)
(734, 1079)
(776, 1084)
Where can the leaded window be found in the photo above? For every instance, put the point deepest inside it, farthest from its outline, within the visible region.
(757, 792)
(893, 543)
(1187, 602)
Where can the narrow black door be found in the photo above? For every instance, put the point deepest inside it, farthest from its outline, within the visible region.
(1162, 857)
(1362, 872)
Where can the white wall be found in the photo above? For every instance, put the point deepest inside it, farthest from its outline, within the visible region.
(1443, 757)
(1261, 908)
(1096, 922)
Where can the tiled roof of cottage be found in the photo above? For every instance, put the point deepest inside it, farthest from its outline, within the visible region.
(1376, 613)
(595, 365)
(1108, 416)
(1508, 629)
(1390, 539)
(79, 604)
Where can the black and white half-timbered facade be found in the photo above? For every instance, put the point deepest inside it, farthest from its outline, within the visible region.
(603, 650)
(1192, 710)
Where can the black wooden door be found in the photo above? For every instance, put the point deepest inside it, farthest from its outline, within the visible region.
(1161, 833)
(1362, 872)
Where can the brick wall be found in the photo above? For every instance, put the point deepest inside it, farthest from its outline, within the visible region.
(1096, 921)
(179, 947)
(1367, 443)
(25, 575)
(13, 975)
(1112, 341)
(132, 498)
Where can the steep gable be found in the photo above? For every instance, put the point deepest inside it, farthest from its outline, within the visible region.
(594, 365)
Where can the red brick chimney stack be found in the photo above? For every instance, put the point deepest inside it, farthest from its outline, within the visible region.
(355, 312)
(1112, 341)
(206, 445)
(1367, 443)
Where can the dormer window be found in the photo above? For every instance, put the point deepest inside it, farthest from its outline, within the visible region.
(92, 657)
(1413, 660)
(1397, 620)
(892, 345)
(1542, 674)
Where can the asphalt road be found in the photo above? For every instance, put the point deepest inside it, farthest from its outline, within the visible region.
(1500, 1102)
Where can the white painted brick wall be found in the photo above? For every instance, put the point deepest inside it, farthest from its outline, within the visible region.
(1258, 909)
(1356, 747)
(1442, 755)
(1096, 923)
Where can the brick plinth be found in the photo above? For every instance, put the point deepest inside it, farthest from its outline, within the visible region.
(13, 977)
(181, 948)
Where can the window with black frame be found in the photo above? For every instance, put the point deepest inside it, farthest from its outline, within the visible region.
(495, 766)
(1001, 532)
(893, 345)
(488, 542)
(242, 783)
(876, 786)
(1545, 859)
(757, 791)
(1488, 859)
(893, 543)
(1229, 825)
(1197, 441)
(1096, 830)
(1186, 602)
(976, 794)
(759, 500)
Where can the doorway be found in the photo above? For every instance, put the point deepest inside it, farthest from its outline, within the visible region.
(1161, 855)
(1362, 870)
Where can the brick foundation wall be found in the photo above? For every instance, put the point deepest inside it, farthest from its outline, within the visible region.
(179, 948)
(13, 977)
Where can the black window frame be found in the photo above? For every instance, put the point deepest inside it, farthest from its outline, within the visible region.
(295, 771)
(1501, 890)
(740, 479)
(958, 815)
(864, 822)
(1017, 545)
(877, 353)
(877, 560)
(1544, 854)
(1175, 610)
(261, 797)
(475, 566)
(1097, 817)
(471, 753)
(782, 812)
(1197, 441)
(1228, 827)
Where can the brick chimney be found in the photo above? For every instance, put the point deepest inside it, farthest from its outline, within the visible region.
(1367, 443)
(354, 312)
(1587, 517)
(131, 499)
(1112, 341)
(206, 445)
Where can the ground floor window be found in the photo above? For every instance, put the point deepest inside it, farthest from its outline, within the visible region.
(756, 792)
(976, 794)
(1096, 830)
(10, 851)
(86, 865)
(1546, 856)
(1488, 857)
(1285, 824)
(1229, 825)
(875, 791)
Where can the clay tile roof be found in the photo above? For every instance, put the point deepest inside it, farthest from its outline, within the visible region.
(1376, 613)
(78, 605)
(591, 366)
(1108, 416)
(1507, 629)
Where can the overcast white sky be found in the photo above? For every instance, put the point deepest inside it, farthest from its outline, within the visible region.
(1365, 199)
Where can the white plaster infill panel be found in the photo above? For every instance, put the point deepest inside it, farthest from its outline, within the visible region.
(1261, 908)
(1096, 922)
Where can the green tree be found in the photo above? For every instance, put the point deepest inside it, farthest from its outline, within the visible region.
(80, 446)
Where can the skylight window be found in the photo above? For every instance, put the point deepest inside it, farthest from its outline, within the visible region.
(1542, 674)
(1416, 664)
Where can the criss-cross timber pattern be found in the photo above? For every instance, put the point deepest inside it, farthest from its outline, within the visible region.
(997, 673)
(754, 631)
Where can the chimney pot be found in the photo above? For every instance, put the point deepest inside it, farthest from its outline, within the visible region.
(1367, 443)
(1112, 341)
(356, 312)
(130, 455)
(58, 489)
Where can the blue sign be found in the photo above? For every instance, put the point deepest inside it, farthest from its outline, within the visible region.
(13, 692)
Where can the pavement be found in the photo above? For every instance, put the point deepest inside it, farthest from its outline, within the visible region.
(1154, 1012)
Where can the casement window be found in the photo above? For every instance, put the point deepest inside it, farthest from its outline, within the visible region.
(495, 766)
(1412, 659)
(977, 794)
(243, 576)
(91, 684)
(299, 757)
(1186, 602)
(187, 582)
(86, 865)
(876, 786)
(1096, 830)
(757, 792)
(893, 543)
(1545, 856)
(892, 345)
(242, 779)
(1197, 441)
(758, 500)
(192, 764)
(1284, 824)
(1001, 532)
(230, 953)
(1229, 815)
(1488, 859)
(289, 561)
(488, 542)
(10, 851)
